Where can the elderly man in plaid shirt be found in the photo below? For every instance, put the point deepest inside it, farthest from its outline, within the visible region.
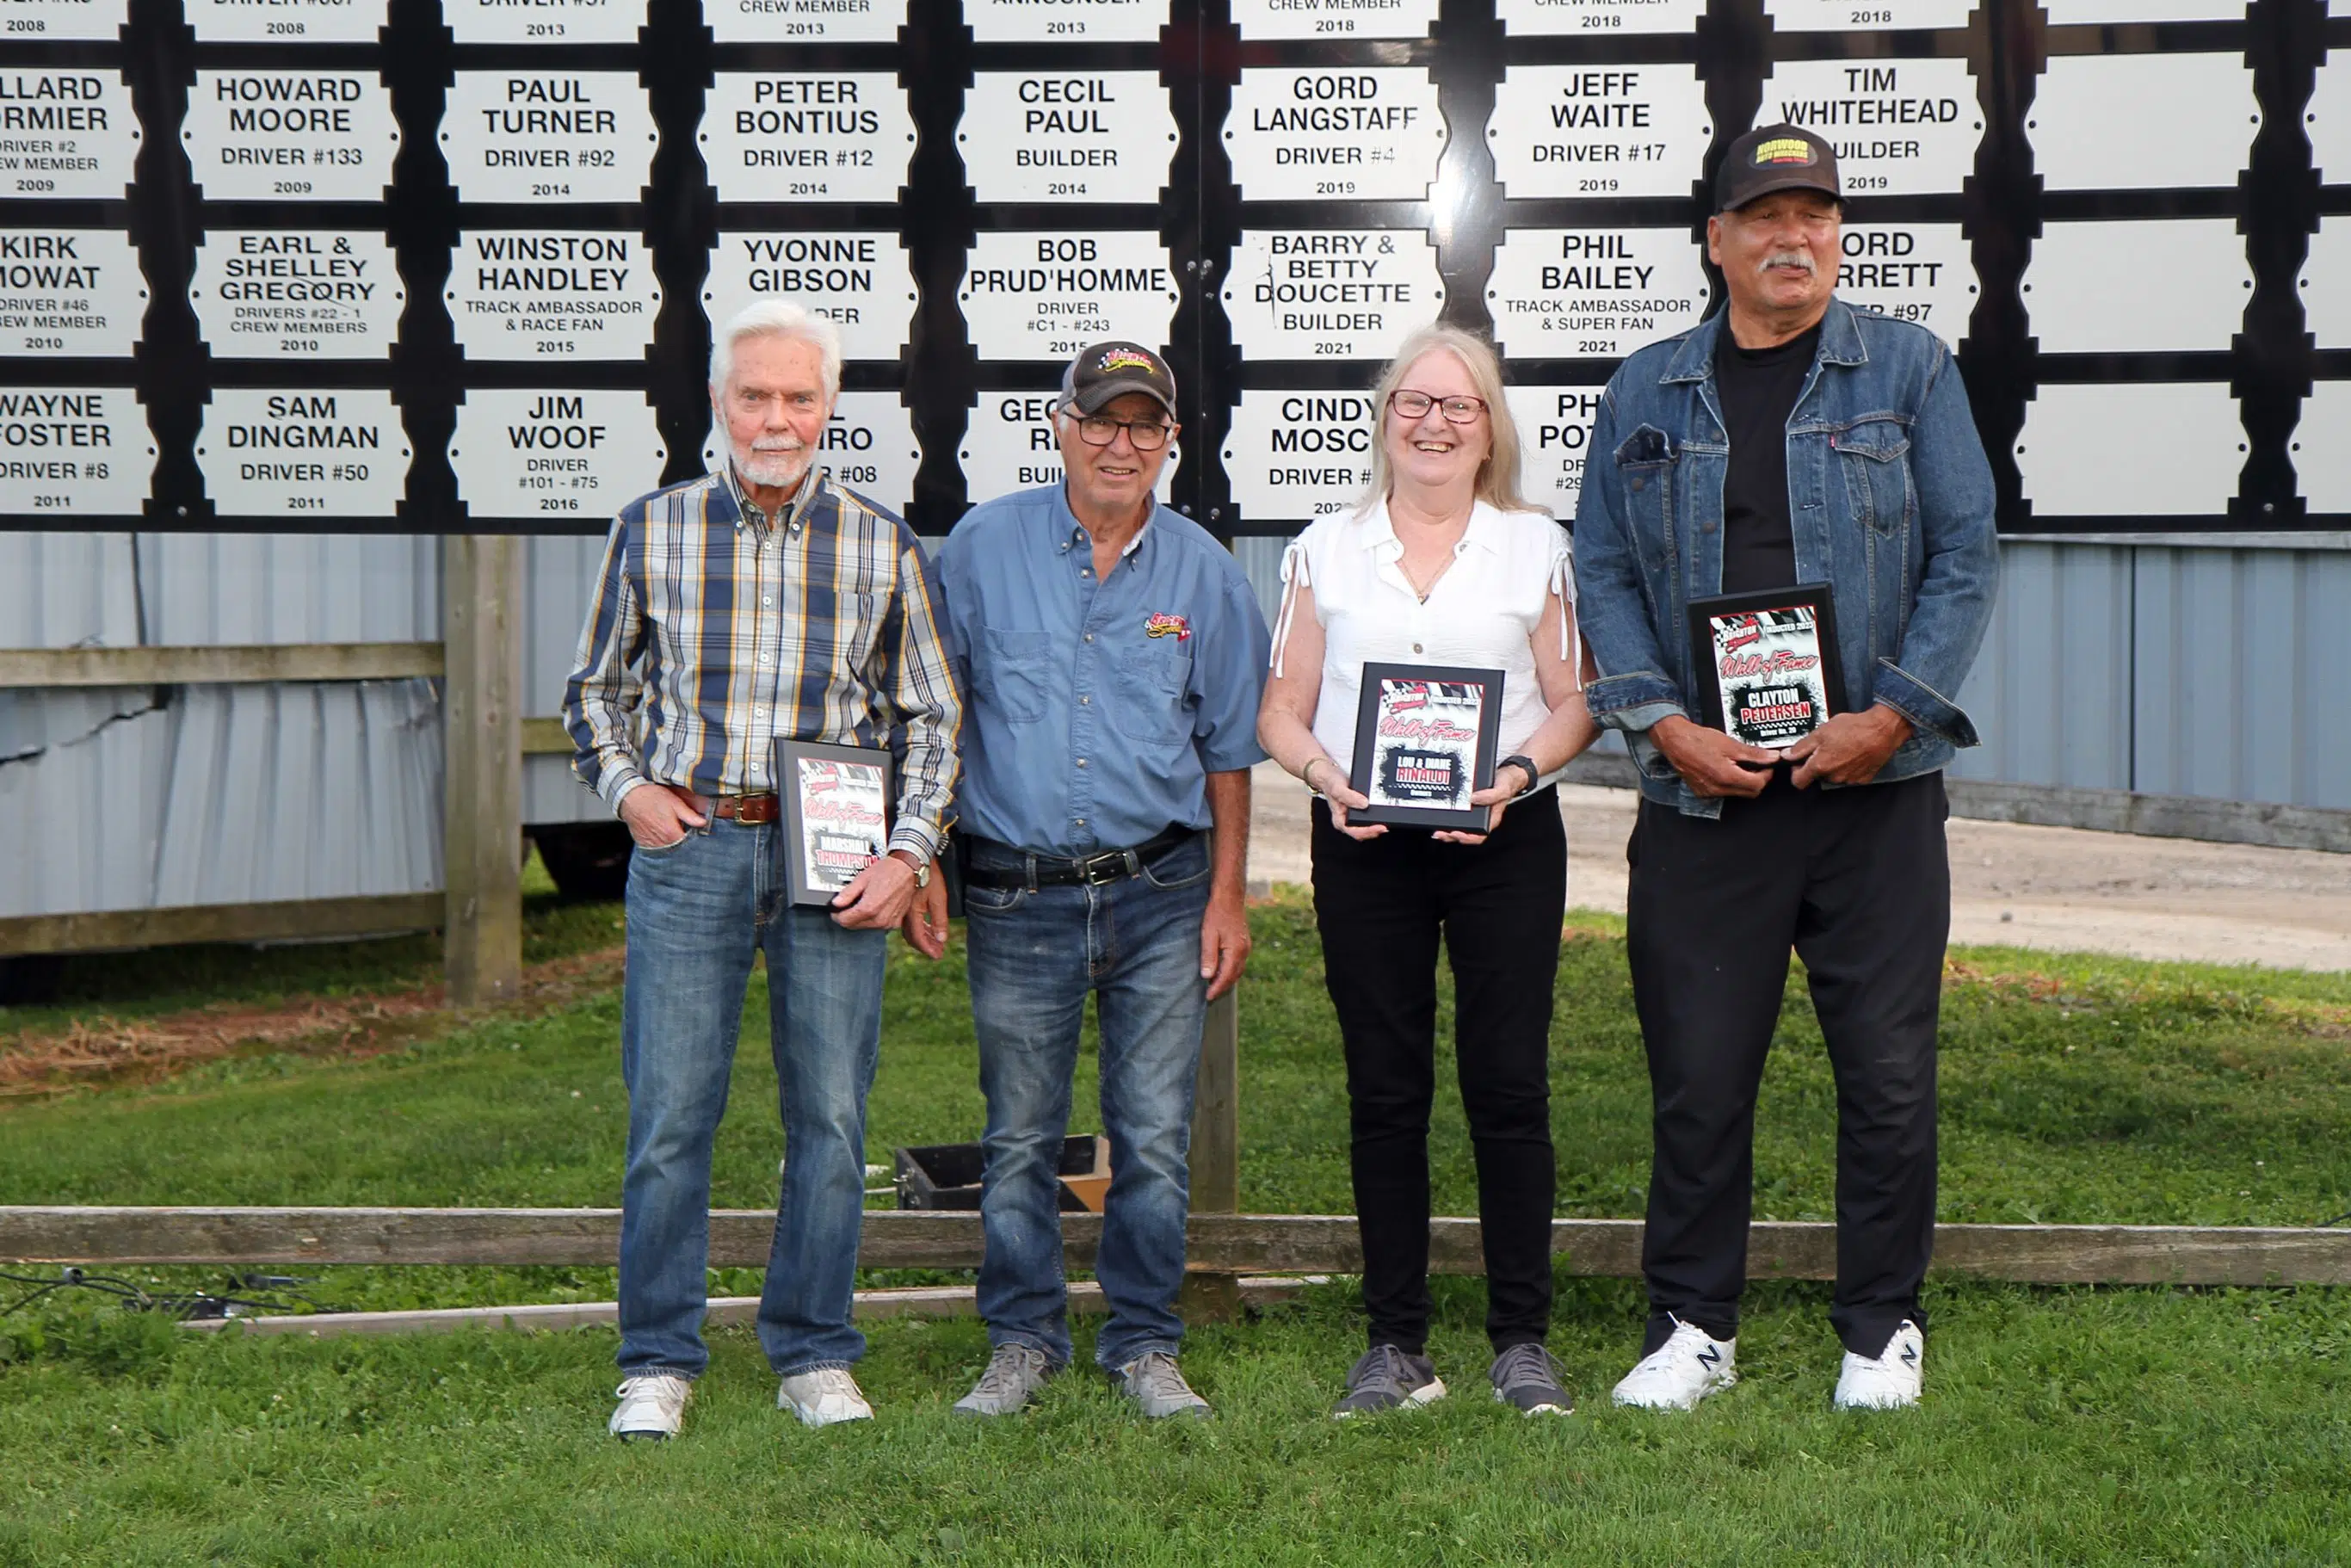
(755, 604)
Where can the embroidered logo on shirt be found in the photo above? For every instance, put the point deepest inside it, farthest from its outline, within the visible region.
(1165, 626)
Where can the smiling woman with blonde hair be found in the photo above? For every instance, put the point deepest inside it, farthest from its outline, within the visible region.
(1441, 563)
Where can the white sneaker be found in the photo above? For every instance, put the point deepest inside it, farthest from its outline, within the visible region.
(653, 1404)
(1680, 1371)
(823, 1397)
(1891, 1380)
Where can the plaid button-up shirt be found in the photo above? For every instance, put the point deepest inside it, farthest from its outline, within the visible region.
(716, 630)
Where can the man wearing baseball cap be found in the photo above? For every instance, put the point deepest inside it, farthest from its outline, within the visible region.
(1792, 444)
(1113, 652)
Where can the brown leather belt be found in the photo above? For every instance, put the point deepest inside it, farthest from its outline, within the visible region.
(749, 808)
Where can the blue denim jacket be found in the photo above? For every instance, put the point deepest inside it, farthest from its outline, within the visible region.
(1891, 503)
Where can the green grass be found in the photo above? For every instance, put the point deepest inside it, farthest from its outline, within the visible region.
(2132, 1424)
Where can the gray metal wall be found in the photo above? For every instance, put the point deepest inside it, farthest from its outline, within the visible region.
(2162, 668)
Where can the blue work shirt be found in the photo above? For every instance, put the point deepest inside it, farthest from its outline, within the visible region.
(1095, 710)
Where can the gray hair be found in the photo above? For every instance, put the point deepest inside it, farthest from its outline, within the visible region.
(773, 317)
(1498, 476)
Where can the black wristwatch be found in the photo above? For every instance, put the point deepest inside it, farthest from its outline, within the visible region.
(1534, 774)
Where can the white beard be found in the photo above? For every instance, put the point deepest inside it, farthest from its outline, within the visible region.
(781, 470)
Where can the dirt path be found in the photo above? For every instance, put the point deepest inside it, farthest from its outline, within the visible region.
(2051, 888)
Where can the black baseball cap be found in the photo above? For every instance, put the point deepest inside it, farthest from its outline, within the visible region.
(1773, 158)
(1106, 370)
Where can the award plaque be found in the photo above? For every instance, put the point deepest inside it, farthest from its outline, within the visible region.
(836, 814)
(1767, 663)
(1423, 741)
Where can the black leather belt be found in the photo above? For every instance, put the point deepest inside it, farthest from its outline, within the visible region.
(1086, 871)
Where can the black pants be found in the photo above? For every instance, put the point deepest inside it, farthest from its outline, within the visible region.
(1858, 882)
(1380, 905)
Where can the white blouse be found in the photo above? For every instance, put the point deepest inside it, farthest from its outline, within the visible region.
(1481, 613)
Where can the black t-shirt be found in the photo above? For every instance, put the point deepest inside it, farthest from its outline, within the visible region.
(1759, 388)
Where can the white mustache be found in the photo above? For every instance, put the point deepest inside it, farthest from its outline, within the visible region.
(1796, 258)
(778, 444)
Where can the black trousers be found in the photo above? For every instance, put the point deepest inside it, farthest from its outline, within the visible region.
(1858, 882)
(1380, 905)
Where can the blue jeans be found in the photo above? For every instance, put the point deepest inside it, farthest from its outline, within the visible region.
(1035, 953)
(697, 912)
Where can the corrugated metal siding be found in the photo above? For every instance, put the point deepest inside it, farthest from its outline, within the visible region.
(204, 590)
(2063, 609)
(559, 573)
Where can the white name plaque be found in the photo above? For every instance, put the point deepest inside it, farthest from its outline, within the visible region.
(1578, 294)
(74, 452)
(1871, 17)
(1331, 293)
(549, 136)
(1095, 136)
(2164, 449)
(66, 133)
(2160, 284)
(545, 453)
(1332, 20)
(2134, 122)
(1592, 131)
(860, 280)
(290, 136)
(1293, 456)
(286, 21)
(1899, 127)
(1044, 295)
(1065, 21)
(540, 295)
(269, 294)
(287, 454)
(832, 136)
(544, 21)
(1587, 18)
(65, 20)
(1367, 135)
(70, 291)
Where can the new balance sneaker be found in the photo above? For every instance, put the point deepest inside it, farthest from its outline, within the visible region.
(652, 1406)
(1153, 1382)
(1891, 1380)
(823, 1397)
(1014, 1372)
(1680, 1371)
(1526, 1378)
(1385, 1378)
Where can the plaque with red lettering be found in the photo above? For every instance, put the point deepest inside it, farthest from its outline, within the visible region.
(836, 801)
(1423, 741)
(1766, 663)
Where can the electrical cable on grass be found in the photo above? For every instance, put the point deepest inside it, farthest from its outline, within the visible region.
(196, 1306)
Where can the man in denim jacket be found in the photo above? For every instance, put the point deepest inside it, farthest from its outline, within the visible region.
(1789, 440)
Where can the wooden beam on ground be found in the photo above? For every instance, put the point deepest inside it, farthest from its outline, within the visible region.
(920, 1301)
(112, 929)
(481, 826)
(54, 667)
(1220, 1244)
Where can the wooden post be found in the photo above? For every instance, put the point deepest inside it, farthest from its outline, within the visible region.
(482, 802)
(1217, 1151)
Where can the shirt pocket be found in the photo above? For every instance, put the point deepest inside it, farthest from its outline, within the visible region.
(1012, 670)
(1645, 467)
(1876, 456)
(1147, 684)
(859, 617)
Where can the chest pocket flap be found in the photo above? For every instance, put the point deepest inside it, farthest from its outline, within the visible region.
(1876, 456)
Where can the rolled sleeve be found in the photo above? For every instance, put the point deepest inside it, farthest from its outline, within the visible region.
(1228, 677)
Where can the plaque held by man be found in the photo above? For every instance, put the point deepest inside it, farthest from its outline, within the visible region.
(1766, 663)
(836, 804)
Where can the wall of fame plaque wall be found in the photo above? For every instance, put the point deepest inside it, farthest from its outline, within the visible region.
(434, 266)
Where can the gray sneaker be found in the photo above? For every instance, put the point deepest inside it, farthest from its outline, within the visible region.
(1526, 1378)
(1014, 1372)
(1153, 1382)
(1385, 1378)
